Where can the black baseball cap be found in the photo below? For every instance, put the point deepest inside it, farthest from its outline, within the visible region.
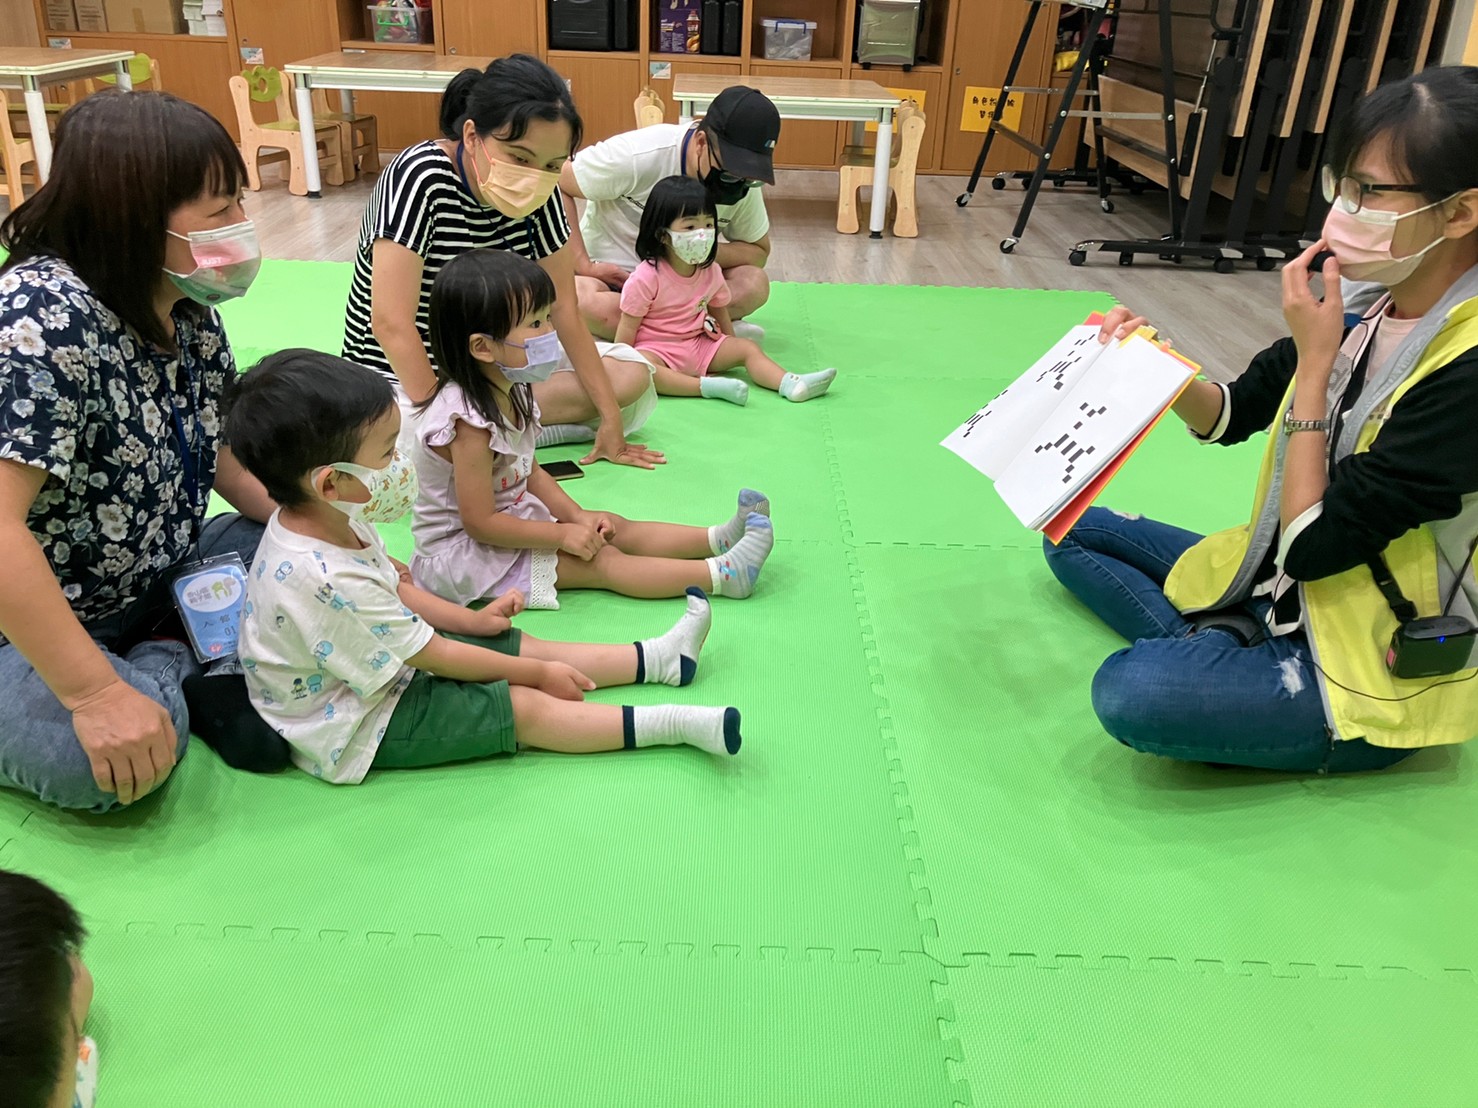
(746, 127)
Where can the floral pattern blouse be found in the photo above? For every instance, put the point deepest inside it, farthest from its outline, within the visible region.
(126, 432)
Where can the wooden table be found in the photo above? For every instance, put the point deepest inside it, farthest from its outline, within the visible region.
(811, 98)
(28, 68)
(352, 71)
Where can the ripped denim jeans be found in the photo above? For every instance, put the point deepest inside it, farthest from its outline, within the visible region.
(1195, 695)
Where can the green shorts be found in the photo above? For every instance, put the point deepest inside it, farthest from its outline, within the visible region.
(439, 720)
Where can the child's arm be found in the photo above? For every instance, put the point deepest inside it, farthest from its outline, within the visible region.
(721, 317)
(472, 462)
(457, 620)
(462, 661)
(585, 533)
(626, 330)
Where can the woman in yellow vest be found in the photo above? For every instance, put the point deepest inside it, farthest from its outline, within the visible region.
(1303, 640)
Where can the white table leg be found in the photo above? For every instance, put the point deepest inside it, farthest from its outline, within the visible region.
(346, 101)
(309, 135)
(859, 134)
(880, 176)
(40, 135)
(125, 78)
(685, 112)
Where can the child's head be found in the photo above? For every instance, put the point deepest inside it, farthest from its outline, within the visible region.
(297, 415)
(679, 217)
(44, 992)
(490, 326)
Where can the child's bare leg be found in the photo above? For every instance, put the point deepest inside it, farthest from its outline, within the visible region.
(765, 371)
(669, 659)
(659, 540)
(580, 727)
(669, 381)
(732, 573)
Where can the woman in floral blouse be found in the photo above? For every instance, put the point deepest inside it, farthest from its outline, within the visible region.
(112, 366)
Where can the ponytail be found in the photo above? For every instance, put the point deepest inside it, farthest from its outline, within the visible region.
(505, 97)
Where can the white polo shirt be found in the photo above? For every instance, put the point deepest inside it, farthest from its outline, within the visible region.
(617, 176)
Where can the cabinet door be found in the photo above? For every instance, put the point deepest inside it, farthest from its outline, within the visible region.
(285, 30)
(805, 144)
(673, 68)
(604, 89)
(489, 28)
(926, 83)
(984, 40)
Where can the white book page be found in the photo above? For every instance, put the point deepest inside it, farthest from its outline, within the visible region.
(1131, 384)
(993, 436)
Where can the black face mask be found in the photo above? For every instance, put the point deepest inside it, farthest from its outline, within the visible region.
(721, 191)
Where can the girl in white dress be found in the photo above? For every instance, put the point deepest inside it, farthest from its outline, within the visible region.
(488, 518)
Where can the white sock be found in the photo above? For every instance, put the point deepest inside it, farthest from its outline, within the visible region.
(735, 572)
(672, 659)
(806, 386)
(557, 434)
(715, 730)
(724, 535)
(743, 329)
(731, 389)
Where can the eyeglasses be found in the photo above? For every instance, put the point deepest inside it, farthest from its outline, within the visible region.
(726, 177)
(1352, 192)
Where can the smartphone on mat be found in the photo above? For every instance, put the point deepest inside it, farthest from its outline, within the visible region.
(563, 471)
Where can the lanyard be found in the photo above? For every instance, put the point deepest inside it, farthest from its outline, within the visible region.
(189, 454)
(462, 169)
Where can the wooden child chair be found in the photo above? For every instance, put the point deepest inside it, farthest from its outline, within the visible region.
(14, 153)
(856, 171)
(263, 85)
(649, 108)
(359, 139)
(143, 71)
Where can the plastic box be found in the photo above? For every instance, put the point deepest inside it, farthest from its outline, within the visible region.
(398, 23)
(789, 40)
(888, 32)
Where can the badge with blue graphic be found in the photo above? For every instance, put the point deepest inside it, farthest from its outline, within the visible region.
(209, 596)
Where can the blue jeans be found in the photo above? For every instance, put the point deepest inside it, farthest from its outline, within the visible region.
(1199, 696)
(39, 751)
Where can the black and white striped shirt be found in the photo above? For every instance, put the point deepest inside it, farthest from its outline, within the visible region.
(421, 203)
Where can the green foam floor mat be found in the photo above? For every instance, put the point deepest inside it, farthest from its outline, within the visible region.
(1116, 1037)
(929, 879)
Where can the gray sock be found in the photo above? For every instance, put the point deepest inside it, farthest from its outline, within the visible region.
(724, 535)
(731, 389)
(557, 434)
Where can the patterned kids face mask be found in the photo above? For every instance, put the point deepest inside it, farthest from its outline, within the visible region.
(392, 490)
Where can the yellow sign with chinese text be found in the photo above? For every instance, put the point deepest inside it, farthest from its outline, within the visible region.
(981, 102)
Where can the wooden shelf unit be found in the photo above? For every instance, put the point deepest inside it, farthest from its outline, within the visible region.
(966, 43)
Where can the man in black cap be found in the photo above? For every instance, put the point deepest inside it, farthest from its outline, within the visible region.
(731, 150)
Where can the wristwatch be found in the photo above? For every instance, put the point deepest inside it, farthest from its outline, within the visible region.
(1291, 425)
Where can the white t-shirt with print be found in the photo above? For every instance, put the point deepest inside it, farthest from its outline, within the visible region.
(324, 640)
(617, 175)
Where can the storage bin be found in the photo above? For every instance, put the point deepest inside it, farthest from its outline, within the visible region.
(398, 23)
(888, 32)
(789, 40)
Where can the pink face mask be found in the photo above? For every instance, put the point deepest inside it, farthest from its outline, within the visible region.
(1362, 243)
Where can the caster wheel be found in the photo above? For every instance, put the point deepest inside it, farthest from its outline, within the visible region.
(1107, 206)
(1266, 265)
(1025, 184)
(1223, 265)
(1008, 245)
(1058, 182)
(1077, 257)
(1126, 259)
(962, 199)
(1169, 258)
(997, 183)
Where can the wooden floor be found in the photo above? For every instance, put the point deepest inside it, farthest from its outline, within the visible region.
(1218, 320)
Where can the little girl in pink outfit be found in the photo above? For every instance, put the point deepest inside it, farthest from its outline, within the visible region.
(674, 306)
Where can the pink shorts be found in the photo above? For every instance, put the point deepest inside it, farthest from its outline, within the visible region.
(691, 356)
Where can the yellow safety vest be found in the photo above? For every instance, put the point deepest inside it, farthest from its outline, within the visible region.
(1348, 622)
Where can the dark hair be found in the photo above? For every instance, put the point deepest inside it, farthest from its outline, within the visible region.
(1430, 121)
(483, 292)
(506, 96)
(124, 162)
(297, 410)
(39, 933)
(672, 198)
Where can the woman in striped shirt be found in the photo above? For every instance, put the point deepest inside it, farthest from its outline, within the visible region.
(492, 181)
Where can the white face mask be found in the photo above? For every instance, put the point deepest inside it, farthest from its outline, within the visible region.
(541, 353)
(693, 247)
(392, 490)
